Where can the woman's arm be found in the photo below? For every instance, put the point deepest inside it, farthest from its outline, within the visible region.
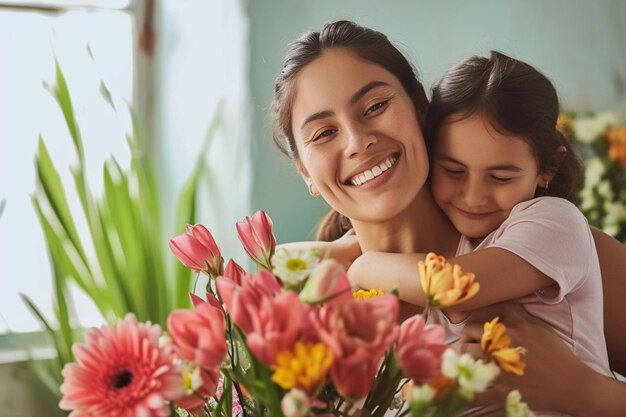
(502, 276)
(612, 255)
(554, 379)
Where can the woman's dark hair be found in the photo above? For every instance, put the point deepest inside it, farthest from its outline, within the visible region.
(366, 43)
(518, 100)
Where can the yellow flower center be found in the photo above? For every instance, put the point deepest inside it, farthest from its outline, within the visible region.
(367, 294)
(304, 367)
(295, 264)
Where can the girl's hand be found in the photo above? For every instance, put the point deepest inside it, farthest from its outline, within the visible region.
(344, 250)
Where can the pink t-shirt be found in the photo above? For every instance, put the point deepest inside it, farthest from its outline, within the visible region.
(552, 235)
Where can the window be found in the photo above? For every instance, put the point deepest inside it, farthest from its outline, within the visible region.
(91, 43)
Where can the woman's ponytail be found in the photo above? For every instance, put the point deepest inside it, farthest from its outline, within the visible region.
(333, 226)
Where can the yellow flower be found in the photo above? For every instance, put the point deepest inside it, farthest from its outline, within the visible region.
(304, 367)
(495, 343)
(564, 123)
(616, 144)
(367, 294)
(445, 285)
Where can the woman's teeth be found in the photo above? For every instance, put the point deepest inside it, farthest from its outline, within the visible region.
(374, 172)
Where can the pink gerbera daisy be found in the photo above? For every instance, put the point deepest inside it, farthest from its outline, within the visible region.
(121, 371)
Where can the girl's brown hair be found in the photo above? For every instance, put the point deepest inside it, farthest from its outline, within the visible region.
(368, 44)
(518, 99)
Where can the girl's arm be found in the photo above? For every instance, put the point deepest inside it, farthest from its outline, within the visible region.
(501, 274)
(544, 243)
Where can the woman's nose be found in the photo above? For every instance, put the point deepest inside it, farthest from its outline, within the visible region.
(358, 141)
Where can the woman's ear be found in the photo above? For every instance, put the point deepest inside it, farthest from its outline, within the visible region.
(313, 191)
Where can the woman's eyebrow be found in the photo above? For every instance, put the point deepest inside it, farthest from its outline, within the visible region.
(367, 88)
(355, 97)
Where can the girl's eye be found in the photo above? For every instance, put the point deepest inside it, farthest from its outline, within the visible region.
(376, 106)
(324, 134)
(454, 172)
(501, 180)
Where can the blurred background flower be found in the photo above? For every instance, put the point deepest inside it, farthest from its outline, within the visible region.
(601, 140)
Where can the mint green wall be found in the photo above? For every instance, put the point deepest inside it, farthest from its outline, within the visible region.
(579, 44)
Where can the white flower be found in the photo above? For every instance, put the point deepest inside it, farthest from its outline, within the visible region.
(294, 267)
(594, 170)
(515, 407)
(295, 404)
(604, 189)
(192, 379)
(473, 375)
(615, 215)
(422, 394)
(587, 129)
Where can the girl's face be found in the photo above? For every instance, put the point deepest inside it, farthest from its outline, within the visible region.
(480, 174)
(357, 136)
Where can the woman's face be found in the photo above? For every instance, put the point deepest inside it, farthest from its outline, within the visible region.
(479, 174)
(358, 139)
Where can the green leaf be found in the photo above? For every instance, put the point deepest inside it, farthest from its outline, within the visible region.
(48, 328)
(104, 91)
(62, 94)
(54, 193)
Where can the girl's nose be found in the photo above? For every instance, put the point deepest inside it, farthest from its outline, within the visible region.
(474, 193)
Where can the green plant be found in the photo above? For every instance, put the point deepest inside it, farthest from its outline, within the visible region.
(127, 269)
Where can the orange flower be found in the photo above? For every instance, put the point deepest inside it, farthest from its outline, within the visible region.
(445, 285)
(495, 343)
(564, 123)
(616, 144)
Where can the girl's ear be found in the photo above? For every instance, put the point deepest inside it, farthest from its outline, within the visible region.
(546, 177)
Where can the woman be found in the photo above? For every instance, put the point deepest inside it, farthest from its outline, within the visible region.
(348, 111)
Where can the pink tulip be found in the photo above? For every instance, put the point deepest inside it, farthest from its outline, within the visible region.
(358, 332)
(242, 301)
(198, 335)
(276, 326)
(210, 298)
(271, 318)
(197, 250)
(257, 238)
(420, 349)
(236, 298)
(235, 272)
(354, 380)
(328, 282)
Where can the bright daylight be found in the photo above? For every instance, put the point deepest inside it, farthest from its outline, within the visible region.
(282, 208)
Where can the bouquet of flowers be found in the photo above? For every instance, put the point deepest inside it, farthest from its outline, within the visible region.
(291, 339)
(601, 139)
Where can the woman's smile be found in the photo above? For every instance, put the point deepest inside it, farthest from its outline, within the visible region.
(377, 170)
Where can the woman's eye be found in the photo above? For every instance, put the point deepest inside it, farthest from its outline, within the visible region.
(324, 134)
(376, 106)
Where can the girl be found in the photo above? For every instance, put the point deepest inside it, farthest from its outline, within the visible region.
(495, 147)
(348, 110)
